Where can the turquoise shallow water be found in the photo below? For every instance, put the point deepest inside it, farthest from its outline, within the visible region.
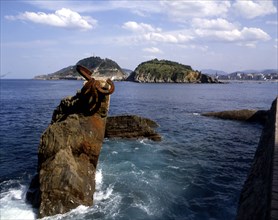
(196, 172)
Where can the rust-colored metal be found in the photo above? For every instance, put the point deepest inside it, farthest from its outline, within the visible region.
(106, 91)
(83, 71)
(91, 89)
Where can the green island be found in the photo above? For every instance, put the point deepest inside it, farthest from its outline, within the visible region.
(165, 71)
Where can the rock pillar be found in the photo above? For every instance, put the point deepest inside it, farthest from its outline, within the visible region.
(69, 150)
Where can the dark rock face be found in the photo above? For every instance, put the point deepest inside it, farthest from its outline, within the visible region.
(255, 197)
(69, 150)
(131, 126)
(241, 115)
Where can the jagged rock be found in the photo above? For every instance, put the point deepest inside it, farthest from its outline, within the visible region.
(68, 156)
(241, 115)
(131, 126)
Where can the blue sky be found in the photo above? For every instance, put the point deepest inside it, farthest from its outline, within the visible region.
(41, 37)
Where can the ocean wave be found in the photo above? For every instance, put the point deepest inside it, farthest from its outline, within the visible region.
(12, 202)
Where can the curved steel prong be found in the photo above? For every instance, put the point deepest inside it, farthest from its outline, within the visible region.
(106, 91)
(83, 71)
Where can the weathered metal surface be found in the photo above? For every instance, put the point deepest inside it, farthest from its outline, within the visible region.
(93, 87)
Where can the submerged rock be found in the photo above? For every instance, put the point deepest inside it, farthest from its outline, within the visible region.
(132, 127)
(259, 116)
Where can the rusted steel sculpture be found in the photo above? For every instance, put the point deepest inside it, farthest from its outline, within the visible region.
(92, 87)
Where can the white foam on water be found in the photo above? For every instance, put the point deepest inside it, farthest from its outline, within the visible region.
(80, 210)
(144, 207)
(98, 179)
(13, 205)
(143, 141)
(195, 113)
(173, 167)
(103, 195)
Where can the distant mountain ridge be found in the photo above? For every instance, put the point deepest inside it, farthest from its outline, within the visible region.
(98, 66)
(213, 72)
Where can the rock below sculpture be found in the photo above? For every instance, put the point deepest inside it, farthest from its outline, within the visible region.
(131, 127)
(69, 150)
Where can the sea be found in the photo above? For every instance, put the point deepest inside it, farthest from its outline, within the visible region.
(196, 172)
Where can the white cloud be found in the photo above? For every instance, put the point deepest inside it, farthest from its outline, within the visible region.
(154, 50)
(252, 9)
(167, 37)
(139, 27)
(216, 24)
(182, 10)
(253, 34)
(246, 35)
(272, 22)
(64, 17)
(146, 32)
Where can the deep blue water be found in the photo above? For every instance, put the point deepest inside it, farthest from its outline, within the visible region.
(196, 172)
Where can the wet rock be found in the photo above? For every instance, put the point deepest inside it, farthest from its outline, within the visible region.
(131, 127)
(259, 116)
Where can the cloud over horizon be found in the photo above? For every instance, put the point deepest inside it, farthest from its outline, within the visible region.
(200, 33)
(252, 9)
(64, 18)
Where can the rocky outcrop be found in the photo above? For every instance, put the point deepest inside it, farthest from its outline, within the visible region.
(247, 115)
(69, 150)
(131, 127)
(258, 190)
(164, 71)
(68, 156)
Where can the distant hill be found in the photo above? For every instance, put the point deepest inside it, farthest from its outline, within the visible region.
(213, 72)
(98, 66)
(127, 71)
(165, 71)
